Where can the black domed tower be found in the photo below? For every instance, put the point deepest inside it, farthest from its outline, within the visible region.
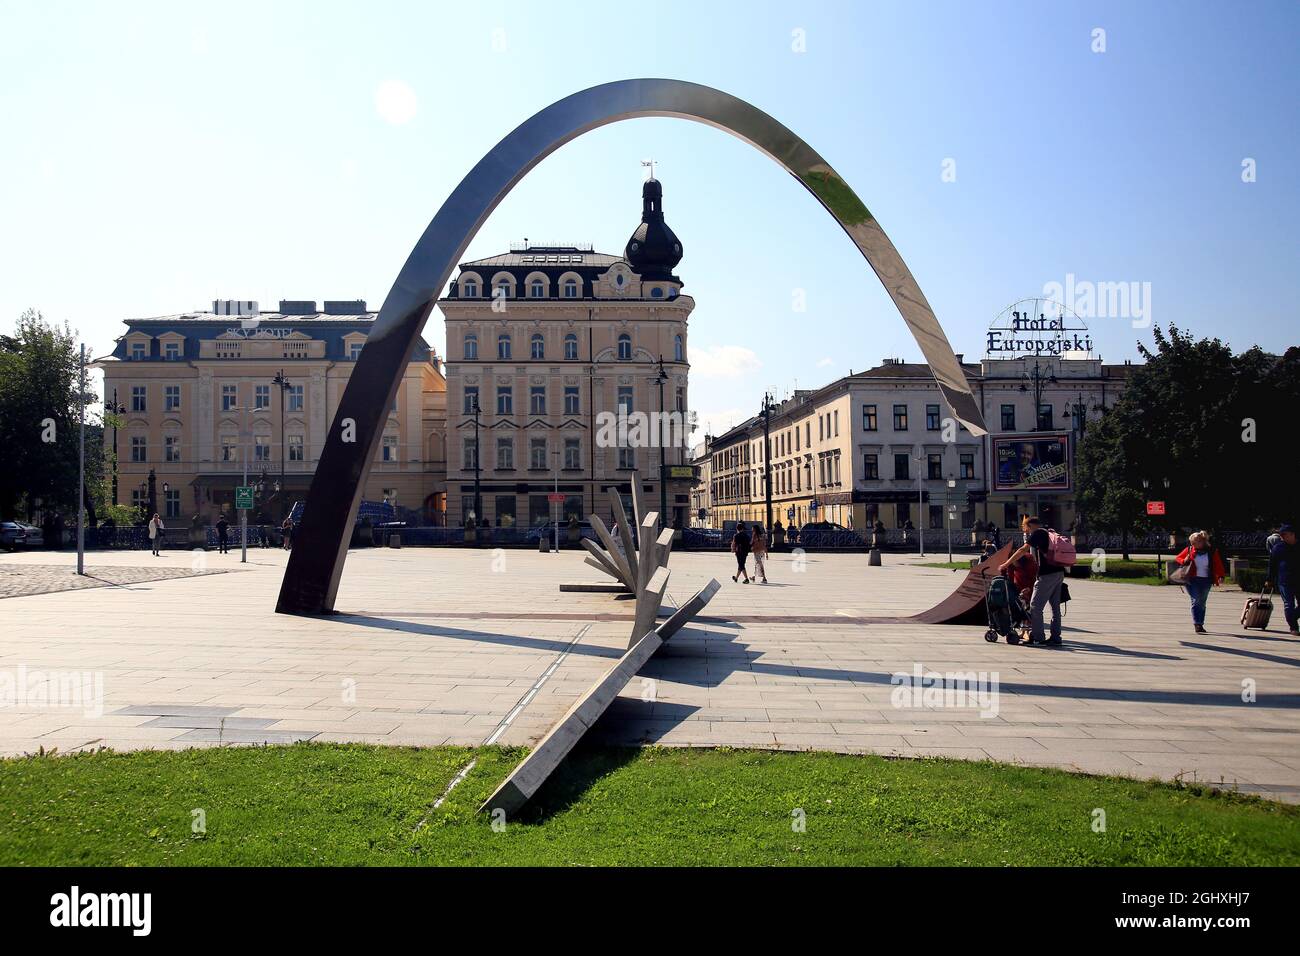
(654, 249)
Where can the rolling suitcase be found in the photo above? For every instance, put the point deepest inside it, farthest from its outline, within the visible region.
(1257, 611)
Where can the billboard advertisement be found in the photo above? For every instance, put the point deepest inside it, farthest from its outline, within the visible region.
(1035, 461)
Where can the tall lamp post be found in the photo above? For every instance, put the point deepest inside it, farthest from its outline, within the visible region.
(1038, 378)
(1160, 543)
(920, 503)
(285, 385)
(478, 462)
(767, 458)
(114, 409)
(662, 377)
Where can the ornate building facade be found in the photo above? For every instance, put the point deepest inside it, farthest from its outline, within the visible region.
(547, 346)
(199, 393)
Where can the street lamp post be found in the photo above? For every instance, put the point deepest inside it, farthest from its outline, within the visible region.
(661, 378)
(285, 385)
(478, 461)
(81, 468)
(920, 503)
(114, 409)
(559, 505)
(947, 523)
(767, 457)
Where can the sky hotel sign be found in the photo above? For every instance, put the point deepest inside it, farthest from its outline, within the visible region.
(1041, 335)
(259, 332)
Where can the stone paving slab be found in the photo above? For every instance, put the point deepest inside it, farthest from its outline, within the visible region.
(22, 580)
(437, 646)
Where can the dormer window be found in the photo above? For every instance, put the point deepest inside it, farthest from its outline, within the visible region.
(469, 289)
(172, 351)
(536, 289)
(570, 289)
(656, 293)
(137, 351)
(624, 347)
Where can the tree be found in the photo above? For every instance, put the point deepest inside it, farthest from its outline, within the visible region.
(39, 398)
(1215, 424)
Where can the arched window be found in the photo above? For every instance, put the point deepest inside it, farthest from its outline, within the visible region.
(570, 289)
(503, 346)
(469, 289)
(538, 346)
(471, 346)
(679, 353)
(570, 346)
(656, 293)
(624, 347)
(536, 289)
(503, 289)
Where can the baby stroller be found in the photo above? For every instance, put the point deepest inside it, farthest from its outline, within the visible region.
(1007, 614)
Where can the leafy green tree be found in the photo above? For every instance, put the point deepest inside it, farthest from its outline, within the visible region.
(39, 433)
(1218, 426)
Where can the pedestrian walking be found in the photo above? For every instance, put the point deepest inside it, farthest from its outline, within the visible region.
(758, 544)
(740, 547)
(156, 529)
(223, 535)
(1042, 543)
(1204, 570)
(286, 533)
(1284, 574)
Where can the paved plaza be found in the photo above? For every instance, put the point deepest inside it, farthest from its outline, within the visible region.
(469, 647)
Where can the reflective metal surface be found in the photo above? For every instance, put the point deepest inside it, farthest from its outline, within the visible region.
(320, 545)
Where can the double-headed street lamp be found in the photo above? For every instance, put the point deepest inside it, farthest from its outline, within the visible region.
(114, 409)
(661, 377)
(285, 386)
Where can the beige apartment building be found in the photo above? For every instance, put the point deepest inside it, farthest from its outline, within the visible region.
(200, 394)
(549, 347)
(882, 445)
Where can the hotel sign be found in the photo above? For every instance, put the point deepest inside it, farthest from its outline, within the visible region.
(260, 332)
(1041, 335)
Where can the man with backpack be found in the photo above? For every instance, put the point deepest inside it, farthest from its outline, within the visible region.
(1053, 553)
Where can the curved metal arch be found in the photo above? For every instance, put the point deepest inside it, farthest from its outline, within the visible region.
(316, 564)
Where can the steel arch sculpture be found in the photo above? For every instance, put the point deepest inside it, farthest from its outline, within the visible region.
(320, 544)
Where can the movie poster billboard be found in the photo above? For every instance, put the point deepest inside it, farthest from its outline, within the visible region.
(1035, 461)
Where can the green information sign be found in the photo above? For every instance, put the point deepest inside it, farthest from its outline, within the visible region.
(244, 497)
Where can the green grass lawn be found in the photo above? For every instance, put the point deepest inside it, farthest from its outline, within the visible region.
(946, 565)
(355, 804)
(1134, 571)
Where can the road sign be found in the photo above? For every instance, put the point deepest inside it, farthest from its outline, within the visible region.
(1155, 507)
(813, 506)
(244, 497)
(789, 514)
(555, 497)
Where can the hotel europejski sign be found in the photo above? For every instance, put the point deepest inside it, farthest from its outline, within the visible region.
(1038, 336)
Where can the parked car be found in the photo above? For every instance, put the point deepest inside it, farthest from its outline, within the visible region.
(12, 536)
(35, 536)
(823, 526)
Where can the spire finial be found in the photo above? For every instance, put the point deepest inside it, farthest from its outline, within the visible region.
(650, 165)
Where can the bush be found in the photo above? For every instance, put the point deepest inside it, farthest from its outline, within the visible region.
(1252, 579)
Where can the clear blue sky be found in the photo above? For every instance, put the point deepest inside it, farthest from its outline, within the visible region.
(157, 155)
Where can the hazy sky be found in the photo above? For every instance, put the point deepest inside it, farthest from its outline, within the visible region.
(157, 155)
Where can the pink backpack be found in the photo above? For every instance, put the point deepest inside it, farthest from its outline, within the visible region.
(1060, 549)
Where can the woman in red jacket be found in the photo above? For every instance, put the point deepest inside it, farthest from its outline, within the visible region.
(1205, 569)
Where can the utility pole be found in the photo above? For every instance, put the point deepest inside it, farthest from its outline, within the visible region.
(81, 469)
(663, 450)
(767, 457)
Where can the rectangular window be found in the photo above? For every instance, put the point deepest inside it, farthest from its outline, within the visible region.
(138, 351)
(471, 399)
(936, 517)
(139, 448)
(139, 499)
(571, 403)
(354, 350)
(869, 418)
(505, 508)
(537, 453)
(469, 455)
(1008, 418)
(138, 403)
(261, 396)
(627, 458)
(679, 401)
(968, 465)
(172, 398)
(172, 351)
(901, 468)
(837, 421)
(870, 467)
(934, 467)
(1010, 516)
(505, 400)
(537, 400)
(572, 453)
(1045, 417)
(467, 508)
(171, 448)
(505, 453)
(900, 418)
(229, 448)
(262, 448)
(625, 399)
(172, 502)
(229, 397)
(295, 398)
(932, 418)
(390, 448)
(296, 448)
